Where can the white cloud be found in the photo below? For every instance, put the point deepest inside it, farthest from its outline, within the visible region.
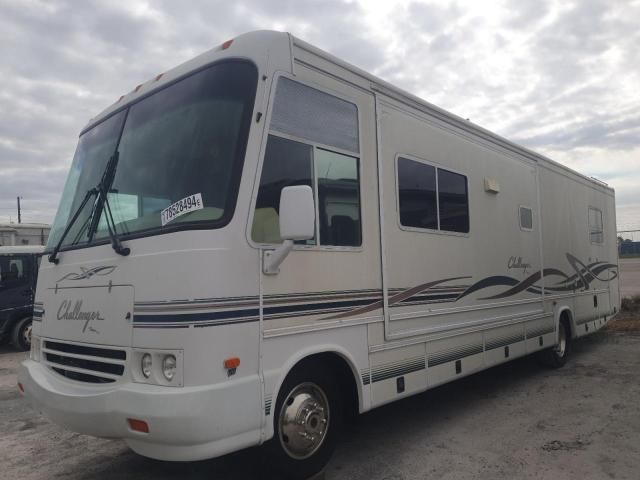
(556, 76)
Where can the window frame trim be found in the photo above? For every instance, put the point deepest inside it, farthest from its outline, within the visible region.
(436, 166)
(524, 229)
(589, 208)
(260, 164)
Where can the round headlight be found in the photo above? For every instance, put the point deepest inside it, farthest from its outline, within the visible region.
(169, 366)
(145, 365)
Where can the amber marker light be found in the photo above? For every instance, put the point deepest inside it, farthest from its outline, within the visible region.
(138, 425)
(232, 363)
(227, 44)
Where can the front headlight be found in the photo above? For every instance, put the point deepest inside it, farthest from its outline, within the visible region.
(145, 365)
(169, 366)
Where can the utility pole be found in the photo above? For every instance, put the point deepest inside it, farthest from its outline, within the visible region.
(19, 212)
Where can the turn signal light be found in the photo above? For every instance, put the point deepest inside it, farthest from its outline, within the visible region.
(138, 425)
(232, 363)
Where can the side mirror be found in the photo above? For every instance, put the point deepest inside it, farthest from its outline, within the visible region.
(297, 213)
(297, 222)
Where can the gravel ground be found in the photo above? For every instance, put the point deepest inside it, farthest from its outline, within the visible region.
(517, 420)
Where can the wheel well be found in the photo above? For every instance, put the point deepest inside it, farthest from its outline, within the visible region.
(565, 317)
(339, 367)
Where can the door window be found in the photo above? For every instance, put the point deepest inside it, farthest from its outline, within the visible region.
(14, 271)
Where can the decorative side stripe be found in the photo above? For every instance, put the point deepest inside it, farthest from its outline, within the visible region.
(503, 341)
(396, 369)
(267, 404)
(538, 331)
(457, 353)
(365, 376)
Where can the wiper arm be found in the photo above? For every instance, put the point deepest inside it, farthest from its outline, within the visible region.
(111, 226)
(101, 192)
(103, 201)
(53, 258)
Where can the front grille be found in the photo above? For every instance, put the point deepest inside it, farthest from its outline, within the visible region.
(85, 363)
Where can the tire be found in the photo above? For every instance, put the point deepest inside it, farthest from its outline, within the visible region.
(300, 449)
(557, 356)
(21, 334)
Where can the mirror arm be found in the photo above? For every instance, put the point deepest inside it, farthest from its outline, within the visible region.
(272, 259)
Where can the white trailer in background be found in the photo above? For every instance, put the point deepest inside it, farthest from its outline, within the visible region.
(258, 242)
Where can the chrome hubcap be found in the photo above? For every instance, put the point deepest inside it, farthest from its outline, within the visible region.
(304, 420)
(561, 348)
(26, 335)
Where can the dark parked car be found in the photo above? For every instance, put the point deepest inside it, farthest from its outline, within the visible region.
(18, 275)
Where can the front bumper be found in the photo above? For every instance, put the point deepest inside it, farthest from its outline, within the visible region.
(189, 423)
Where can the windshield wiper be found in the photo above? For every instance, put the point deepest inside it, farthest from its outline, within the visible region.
(53, 258)
(101, 192)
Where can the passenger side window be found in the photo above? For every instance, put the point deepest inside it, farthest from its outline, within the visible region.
(432, 198)
(338, 198)
(286, 163)
(313, 141)
(596, 230)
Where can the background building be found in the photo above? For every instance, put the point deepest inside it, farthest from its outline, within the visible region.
(24, 233)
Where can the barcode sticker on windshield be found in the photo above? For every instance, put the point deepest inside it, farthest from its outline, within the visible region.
(179, 208)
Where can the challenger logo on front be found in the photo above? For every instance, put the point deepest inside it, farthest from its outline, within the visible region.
(67, 312)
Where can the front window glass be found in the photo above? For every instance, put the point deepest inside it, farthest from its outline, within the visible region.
(179, 147)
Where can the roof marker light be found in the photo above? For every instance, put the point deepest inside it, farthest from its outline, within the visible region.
(227, 44)
(159, 76)
(120, 99)
(138, 88)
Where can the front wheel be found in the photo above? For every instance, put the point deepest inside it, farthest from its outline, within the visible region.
(21, 335)
(307, 421)
(556, 357)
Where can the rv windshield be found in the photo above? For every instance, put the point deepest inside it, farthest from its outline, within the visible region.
(180, 150)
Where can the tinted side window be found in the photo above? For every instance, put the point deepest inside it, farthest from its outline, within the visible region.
(338, 198)
(286, 163)
(14, 270)
(453, 201)
(417, 194)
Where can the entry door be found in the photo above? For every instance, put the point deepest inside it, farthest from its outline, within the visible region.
(321, 134)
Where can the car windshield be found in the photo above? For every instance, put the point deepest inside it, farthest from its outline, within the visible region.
(180, 153)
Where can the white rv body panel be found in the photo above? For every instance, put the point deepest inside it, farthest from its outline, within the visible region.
(403, 309)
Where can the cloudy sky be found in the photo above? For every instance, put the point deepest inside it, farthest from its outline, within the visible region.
(560, 77)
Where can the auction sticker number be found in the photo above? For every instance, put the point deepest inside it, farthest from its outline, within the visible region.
(179, 208)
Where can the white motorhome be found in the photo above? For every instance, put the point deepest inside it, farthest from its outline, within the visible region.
(265, 239)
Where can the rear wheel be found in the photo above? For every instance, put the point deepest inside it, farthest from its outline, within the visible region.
(21, 335)
(557, 356)
(307, 421)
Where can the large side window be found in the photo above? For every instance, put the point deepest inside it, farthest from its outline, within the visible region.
(596, 231)
(313, 141)
(417, 194)
(432, 198)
